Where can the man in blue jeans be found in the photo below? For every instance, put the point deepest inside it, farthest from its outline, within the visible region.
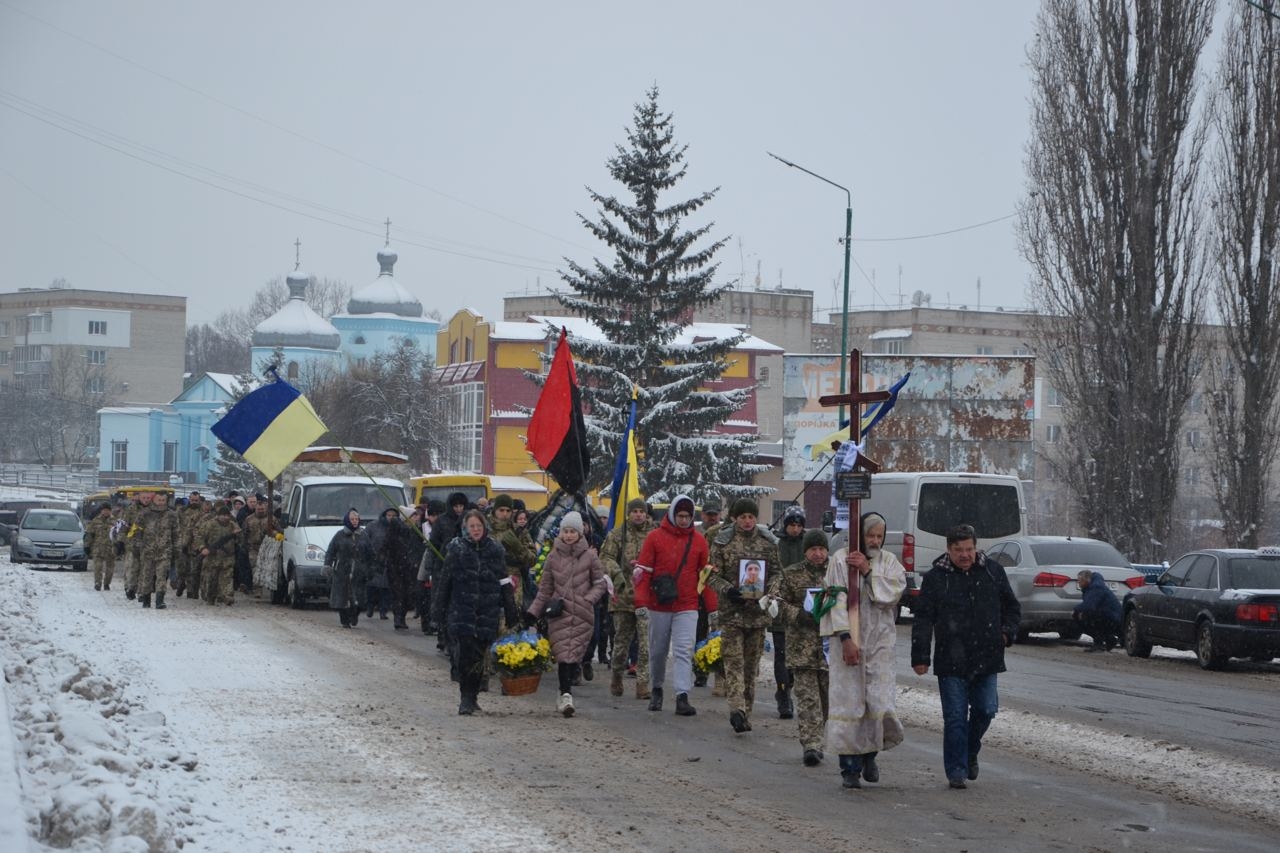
(967, 609)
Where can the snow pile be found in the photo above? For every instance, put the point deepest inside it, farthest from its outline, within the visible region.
(98, 769)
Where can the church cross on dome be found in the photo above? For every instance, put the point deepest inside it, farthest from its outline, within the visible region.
(388, 224)
(297, 254)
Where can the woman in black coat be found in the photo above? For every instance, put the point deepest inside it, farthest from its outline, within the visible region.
(469, 597)
(346, 564)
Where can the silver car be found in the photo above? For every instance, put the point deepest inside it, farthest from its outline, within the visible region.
(1042, 571)
(51, 537)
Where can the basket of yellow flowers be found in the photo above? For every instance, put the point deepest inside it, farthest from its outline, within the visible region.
(520, 659)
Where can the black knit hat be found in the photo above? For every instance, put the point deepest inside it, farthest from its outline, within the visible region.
(812, 538)
(744, 505)
(435, 506)
(502, 501)
(793, 513)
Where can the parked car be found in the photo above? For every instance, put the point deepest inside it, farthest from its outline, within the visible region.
(1042, 571)
(8, 524)
(1219, 603)
(51, 537)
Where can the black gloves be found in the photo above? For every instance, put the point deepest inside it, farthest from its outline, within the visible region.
(554, 609)
(529, 619)
(734, 595)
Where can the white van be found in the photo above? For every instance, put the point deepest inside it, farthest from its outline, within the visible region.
(921, 506)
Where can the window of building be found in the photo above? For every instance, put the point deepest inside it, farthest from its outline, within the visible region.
(897, 346)
(170, 456)
(119, 456)
(1052, 397)
(1021, 350)
(1193, 439)
(358, 339)
(986, 350)
(1052, 433)
(96, 356)
(464, 448)
(32, 353)
(40, 323)
(4, 328)
(95, 385)
(470, 349)
(453, 352)
(1191, 476)
(97, 327)
(4, 356)
(292, 371)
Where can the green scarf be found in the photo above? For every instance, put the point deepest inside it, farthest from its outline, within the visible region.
(825, 601)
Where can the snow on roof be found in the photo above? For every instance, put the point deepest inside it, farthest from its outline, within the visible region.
(505, 483)
(296, 324)
(385, 295)
(508, 413)
(228, 382)
(506, 330)
(130, 410)
(581, 327)
(890, 334)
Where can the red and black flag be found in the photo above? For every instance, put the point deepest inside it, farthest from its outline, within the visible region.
(557, 432)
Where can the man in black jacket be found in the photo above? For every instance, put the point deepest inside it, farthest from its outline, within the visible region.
(968, 610)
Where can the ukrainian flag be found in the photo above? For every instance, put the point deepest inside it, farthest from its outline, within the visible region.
(270, 427)
(872, 416)
(626, 471)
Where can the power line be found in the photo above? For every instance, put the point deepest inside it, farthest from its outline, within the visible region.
(287, 130)
(935, 233)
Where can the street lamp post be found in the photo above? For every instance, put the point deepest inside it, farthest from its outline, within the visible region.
(848, 235)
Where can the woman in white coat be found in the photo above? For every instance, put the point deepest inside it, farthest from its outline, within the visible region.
(863, 719)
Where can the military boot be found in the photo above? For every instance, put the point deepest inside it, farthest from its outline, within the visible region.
(615, 686)
(786, 710)
(642, 689)
(145, 599)
(129, 594)
(160, 605)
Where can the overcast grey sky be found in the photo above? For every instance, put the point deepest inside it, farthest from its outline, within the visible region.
(475, 127)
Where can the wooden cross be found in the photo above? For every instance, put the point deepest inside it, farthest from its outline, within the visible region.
(855, 400)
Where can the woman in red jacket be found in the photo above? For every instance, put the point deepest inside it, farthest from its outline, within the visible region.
(666, 577)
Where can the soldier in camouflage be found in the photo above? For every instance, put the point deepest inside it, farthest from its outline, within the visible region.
(157, 547)
(132, 559)
(618, 556)
(742, 622)
(97, 541)
(194, 586)
(256, 528)
(790, 552)
(789, 592)
(188, 517)
(216, 541)
(518, 555)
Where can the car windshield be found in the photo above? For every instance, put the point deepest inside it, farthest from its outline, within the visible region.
(327, 504)
(1252, 573)
(992, 510)
(51, 521)
(1078, 554)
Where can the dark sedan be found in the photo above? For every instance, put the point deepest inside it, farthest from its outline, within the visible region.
(1219, 603)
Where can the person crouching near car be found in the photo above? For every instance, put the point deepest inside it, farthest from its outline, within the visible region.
(572, 582)
(863, 720)
(1099, 613)
(469, 597)
(791, 601)
(346, 562)
(666, 590)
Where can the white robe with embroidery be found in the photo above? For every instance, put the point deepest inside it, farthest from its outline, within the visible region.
(862, 698)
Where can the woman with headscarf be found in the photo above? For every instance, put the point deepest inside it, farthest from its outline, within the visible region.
(572, 582)
(863, 719)
(346, 564)
(469, 597)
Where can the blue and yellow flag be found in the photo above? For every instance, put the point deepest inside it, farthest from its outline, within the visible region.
(626, 471)
(270, 427)
(872, 416)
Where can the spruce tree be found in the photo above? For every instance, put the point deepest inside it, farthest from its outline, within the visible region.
(642, 298)
(231, 472)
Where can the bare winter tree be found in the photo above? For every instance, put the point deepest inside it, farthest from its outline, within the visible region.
(326, 296)
(1244, 377)
(1112, 232)
(55, 421)
(209, 350)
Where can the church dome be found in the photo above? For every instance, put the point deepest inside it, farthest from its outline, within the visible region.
(296, 324)
(385, 295)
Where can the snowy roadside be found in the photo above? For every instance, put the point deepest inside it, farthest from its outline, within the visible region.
(107, 705)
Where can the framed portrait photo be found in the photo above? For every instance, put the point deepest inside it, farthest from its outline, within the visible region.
(751, 577)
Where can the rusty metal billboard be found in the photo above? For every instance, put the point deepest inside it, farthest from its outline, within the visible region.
(956, 413)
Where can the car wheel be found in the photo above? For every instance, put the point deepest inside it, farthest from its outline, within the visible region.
(1207, 654)
(296, 600)
(1072, 633)
(1134, 644)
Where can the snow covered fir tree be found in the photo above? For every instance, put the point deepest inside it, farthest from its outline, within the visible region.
(641, 299)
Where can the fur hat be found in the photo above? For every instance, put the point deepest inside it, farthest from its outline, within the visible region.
(458, 498)
(744, 505)
(435, 506)
(503, 501)
(572, 521)
(812, 538)
(637, 503)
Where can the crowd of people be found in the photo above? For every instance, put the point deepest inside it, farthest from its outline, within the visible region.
(638, 600)
(662, 586)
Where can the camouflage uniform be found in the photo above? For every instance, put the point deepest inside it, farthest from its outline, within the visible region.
(187, 517)
(218, 567)
(103, 551)
(197, 520)
(742, 624)
(518, 556)
(158, 548)
(256, 528)
(132, 560)
(617, 560)
(804, 647)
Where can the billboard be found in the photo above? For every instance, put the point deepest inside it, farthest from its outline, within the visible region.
(956, 413)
